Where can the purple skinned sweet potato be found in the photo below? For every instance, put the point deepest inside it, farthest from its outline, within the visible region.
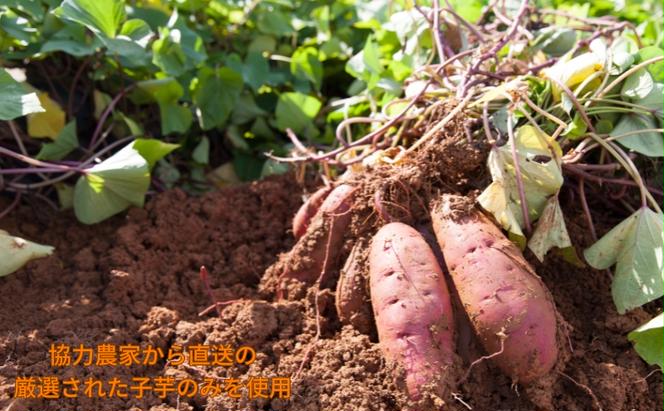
(412, 308)
(510, 308)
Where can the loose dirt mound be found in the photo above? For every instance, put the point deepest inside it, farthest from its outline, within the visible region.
(134, 280)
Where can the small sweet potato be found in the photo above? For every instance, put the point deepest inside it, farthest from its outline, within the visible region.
(308, 210)
(352, 303)
(322, 241)
(507, 303)
(412, 308)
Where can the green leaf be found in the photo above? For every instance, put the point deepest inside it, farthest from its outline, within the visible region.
(654, 100)
(246, 110)
(153, 150)
(130, 45)
(296, 111)
(247, 166)
(555, 41)
(648, 143)
(215, 93)
(262, 43)
(470, 10)
(305, 63)
(17, 28)
(366, 64)
(577, 128)
(551, 230)
(637, 85)
(623, 50)
(15, 99)
(648, 341)
(137, 30)
(101, 16)
(190, 42)
(175, 118)
(15, 252)
(167, 53)
(72, 47)
(65, 195)
(163, 90)
(64, 144)
(112, 186)
(201, 153)
(256, 70)
(656, 69)
(71, 39)
(635, 246)
(274, 22)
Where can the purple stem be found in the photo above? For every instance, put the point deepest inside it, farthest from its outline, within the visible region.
(105, 114)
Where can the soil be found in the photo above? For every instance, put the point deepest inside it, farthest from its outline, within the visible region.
(134, 280)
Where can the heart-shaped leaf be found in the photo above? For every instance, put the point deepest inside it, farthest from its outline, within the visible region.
(635, 247)
(111, 186)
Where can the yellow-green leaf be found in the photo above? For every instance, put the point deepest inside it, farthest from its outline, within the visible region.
(49, 123)
(574, 71)
(541, 177)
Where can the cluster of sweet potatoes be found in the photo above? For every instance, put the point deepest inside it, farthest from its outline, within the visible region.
(510, 310)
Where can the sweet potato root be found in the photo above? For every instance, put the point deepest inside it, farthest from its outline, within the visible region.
(510, 308)
(320, 245)
(353, 306)
(308, 210)
(412, 308)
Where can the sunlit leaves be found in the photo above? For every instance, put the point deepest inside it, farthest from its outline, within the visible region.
(102, 17)
(153, 150)
(648, 341)
(366, 64)
(15, 99)
(635, 247)
(305, 63)
(112, 186)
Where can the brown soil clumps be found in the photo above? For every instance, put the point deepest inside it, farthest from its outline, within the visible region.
(134, 280)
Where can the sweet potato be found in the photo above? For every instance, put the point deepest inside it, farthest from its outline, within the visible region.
(412, 308)
(322, 240)
(308, 210)
(507, 303)
(352, 303)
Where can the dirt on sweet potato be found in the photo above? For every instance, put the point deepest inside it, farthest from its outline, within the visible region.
(134, 280)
